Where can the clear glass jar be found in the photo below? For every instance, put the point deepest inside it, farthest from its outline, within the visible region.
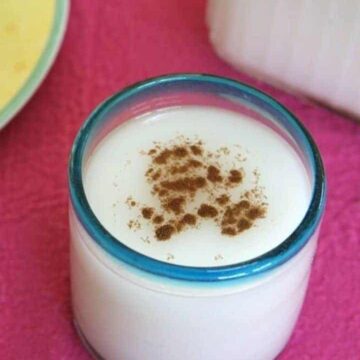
(129, 306)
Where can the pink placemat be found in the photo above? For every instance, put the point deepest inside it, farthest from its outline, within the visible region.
(110, 44)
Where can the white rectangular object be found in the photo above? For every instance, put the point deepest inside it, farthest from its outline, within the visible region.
(311, 47)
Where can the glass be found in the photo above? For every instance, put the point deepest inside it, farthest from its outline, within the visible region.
(104, 269)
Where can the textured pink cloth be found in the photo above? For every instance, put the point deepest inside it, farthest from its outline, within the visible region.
(110, 44)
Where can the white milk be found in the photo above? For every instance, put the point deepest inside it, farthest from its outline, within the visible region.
(128, 314)
(117, 166)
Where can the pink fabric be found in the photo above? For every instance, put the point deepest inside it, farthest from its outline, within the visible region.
(110, 44)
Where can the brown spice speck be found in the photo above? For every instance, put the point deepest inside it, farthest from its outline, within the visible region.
(213, 174)
(243, 204)
(196, 150)
(147, 212)
(255, 213)
(180, 152)
(243, 224)
(158, 219)
(179, 169)
(163, 192)
(134, 225)
(189, 219)
(235, 176)
(163, 157)
(156, 176)
(207, 211)
(200, 182)
(175, 205)
(170, 257)
(194, 163)
(186, 184)
(164, 232)
(229, 217)
(228, 231)
(223, 199)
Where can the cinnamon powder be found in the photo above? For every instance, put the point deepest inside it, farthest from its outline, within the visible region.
(180, 171)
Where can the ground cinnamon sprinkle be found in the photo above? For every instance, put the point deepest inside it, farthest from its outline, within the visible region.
(235, 176)
(162, 157)
(229, 217)
(156, 176)
(179, 169)
(158, 219)
(255, 213)
(163, 192)
(164, 232)
(189, 219)
(194, 163)
(186, 184)
(180, 152)
(182, 170)
(243, 224)
(175, 205)
(223, 199)
(213, 174)
(196, 149)
(207, 211)
(228, 231)
(147, 212)
(243, 204)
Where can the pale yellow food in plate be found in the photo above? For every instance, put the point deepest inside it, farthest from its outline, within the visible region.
(31, 32)
(25, 26)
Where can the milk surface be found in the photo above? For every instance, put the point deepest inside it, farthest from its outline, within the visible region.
(115, 172)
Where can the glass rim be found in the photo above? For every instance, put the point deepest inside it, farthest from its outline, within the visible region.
(260, 264)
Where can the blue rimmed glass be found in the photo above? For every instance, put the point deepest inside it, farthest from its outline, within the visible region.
(207, 90)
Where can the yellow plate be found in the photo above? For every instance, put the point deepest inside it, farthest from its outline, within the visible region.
(31, 32)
